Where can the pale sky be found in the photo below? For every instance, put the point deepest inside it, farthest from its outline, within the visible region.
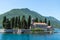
(43, 7)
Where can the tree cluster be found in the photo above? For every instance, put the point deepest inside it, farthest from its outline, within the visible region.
(21, 23)
(16, 22)
(45, 21)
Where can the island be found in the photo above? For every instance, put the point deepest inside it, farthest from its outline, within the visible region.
(23, 25)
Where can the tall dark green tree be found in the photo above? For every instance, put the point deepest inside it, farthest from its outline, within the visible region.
(49, 23)
(23, 23)
(4, 22)
(45, 20)
(12, 22)
(29, 22)
(40, 21)
(36, 20)
(8, 25)
(16, 22)
(19, 23)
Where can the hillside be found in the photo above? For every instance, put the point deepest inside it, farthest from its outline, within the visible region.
(54, 22)
(27, 12)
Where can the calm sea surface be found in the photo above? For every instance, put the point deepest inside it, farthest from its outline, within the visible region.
(54, 36)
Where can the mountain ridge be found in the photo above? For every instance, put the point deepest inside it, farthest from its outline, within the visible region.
(27, 12)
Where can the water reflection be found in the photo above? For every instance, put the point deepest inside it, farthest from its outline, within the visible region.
(15, 36)
(10, 36)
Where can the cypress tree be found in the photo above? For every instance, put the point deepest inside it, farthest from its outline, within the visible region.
(40, 21)
(29, 22)
(45, 20)
(36, 20)
(25, 22)
(7, 24)
(49, 23)
(19, 23)
(4, 21)
(22, 22)
(12, 22)
(16, 22)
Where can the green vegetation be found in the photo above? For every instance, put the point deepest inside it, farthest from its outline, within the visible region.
(26, 12)
(40, 21)
(29, 22)
(45, 20)
(38, 30)
(48, 23)
(15, 22)
(23, 23)
(36, 20)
